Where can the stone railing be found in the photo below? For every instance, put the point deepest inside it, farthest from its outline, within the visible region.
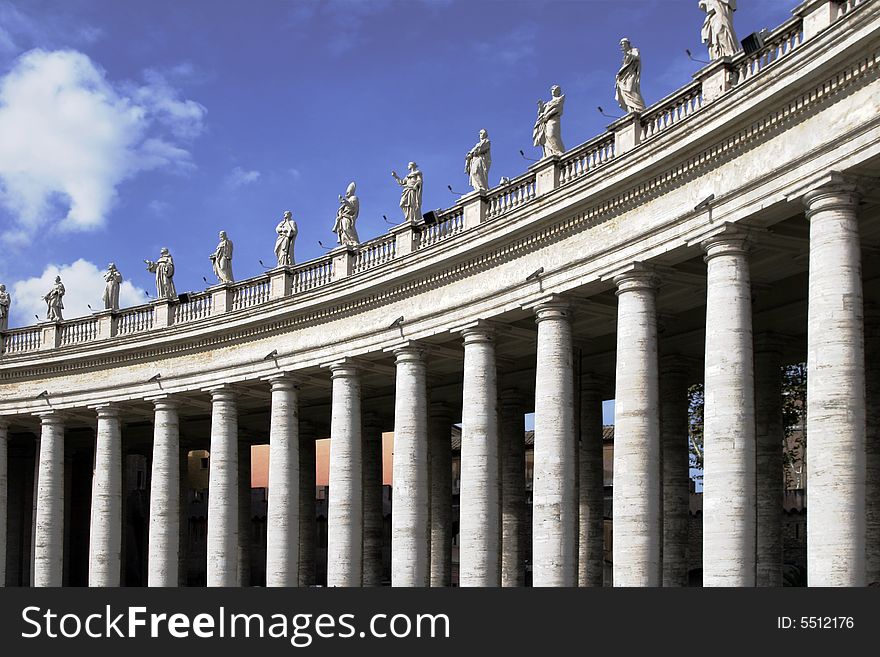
(671, 110)
(250, 292)
(76, 331)
(510, 195)
(374, 253)
(312, 274)
(448, 224)
(843, 8)
(22, 340)
(135, 320)
(586, 157)
(778, 44)
(197, 306)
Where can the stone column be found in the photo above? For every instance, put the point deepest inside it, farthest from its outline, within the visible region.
(480, 503)
(183, 519)
(373, 517)
(105, 530)
(440, 438)
(554, 492)
(165, 510)
(307, 522)
(676, 468)
(769, 436)
(872, 444)
(591, 488)
(49, 533)
(223, 490)
(245, 521)
(729, 479)
(835, 391)
(513, 489)
(345, 507)
(4, 491)
(282, 515)
(637, 483)
(411, 505)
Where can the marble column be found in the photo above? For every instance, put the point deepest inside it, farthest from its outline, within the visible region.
(105, 529)
(769, 437)
(440, 438)
(4, 492)
(676, 468)
(554, 492)
(223, 490)
(479, 495)
(282, 515)
(872, 445)
(411, 504)
(307, 521)
(372, 492)
(729, 476)
(591, 487)
(49, 533)
(637, 483)
(513, 489)
(165, 509)
(245, 520)
(836, 467)
(345, 508)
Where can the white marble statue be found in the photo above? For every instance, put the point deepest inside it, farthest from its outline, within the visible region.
(286, 230)
(477, 162)
(547, 132)
(54, 301)
(718, 33)
(346, 216)
(221, 259)
(164, 270)
(411, 196)
(112, 279)
(5, 301)
(628, 86)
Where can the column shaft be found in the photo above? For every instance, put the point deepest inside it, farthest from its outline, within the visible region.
(440, 437)
(872, 446)
(591, 488)
(245, 522)
(4, 492)
(105, 532)
(374, 522)
(164, 541)
(513, 489)
(676, 480)
(480, 503)
(49, 532)
(637, 483)
(223, 490)
(183, 519)
(307, 521)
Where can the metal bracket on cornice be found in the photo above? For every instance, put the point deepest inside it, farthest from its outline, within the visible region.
(43, 395)
(272, 355)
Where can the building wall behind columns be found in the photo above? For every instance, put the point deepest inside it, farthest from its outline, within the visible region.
(872, 443)
(591, 489)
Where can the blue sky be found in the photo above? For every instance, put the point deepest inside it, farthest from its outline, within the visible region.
(128, 126)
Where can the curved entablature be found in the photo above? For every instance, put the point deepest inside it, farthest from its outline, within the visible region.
(751, 131)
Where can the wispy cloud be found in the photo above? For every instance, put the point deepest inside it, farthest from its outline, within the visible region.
(510, 53)
(348, 17)
(19, 30)
(240, 177)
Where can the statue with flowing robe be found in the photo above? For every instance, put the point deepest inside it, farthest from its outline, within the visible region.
(718, 33)
(547, 131)
(286, 231)
(221, 259)
(411, 196)
(54, 301)
(112, 280)
(477, 163)
(164, 270)
(346, 216)
(628, 83)
(5, 302)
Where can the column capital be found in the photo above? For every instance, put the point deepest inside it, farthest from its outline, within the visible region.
(632, 277)
(163, 402)
(344, 368)
(828, 186)
(407, 350)
(50, 417)
(221, 393)
(552, 306)
(475, 327)
(282, 381)
(106, 411)
(834, 196)
(728, 239)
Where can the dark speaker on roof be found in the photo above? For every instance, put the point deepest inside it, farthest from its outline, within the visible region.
(183, 297)
(430, 217)
(753, 43)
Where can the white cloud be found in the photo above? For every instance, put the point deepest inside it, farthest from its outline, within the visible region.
(83, 284)
(69, 137)
(239, 177)
(158, 207)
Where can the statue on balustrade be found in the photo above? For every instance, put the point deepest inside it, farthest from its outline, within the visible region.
(346, 216)
(221, 259)
(628, 85)
(5, 301)
(54, 301)
(718, 33)
(113, 280)
(547, 132)
(286, 230)
(477, 163)
(411, 196)
(164, 270)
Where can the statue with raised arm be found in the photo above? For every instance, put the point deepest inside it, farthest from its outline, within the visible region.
(477, 163)
(164, 270)
(286, 230)
(5, 301)
(628, 84)
(547, 132)
(54, 301)
(718, 33)
(221, 259)
(112, 280)
(411, 196)
(346, 216)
